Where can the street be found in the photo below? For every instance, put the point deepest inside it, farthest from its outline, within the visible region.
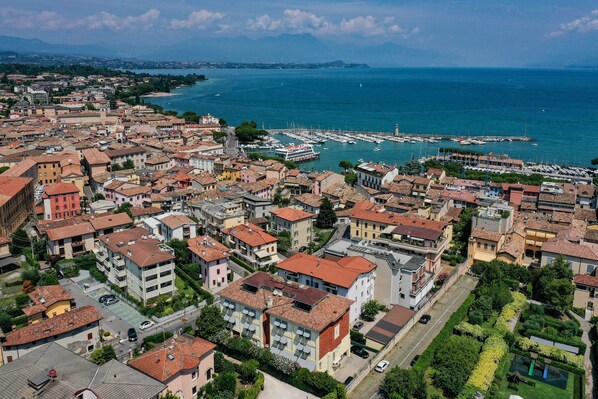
(419, 337)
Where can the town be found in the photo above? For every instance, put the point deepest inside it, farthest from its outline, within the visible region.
(145, 254)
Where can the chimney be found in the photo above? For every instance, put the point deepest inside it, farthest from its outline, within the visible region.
(52, 374)
(269, 302)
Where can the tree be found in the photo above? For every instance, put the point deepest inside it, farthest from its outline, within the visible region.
(125, 207)
(284, 240)
(22, 300)
(20, 241)
(327, 217)
(370, 310)
(5, 322)
(181, 251)
(103, 355)
(222, 122)
(128, 164)
(558, 295)
(552, 285)
(404, 384)
(98, 197)
(247, 132)
(482, 304)
(351, 178)
(248, 371)
(169, 395)
(210, 324)
(453, 363)
(345, 165)
(116, 167)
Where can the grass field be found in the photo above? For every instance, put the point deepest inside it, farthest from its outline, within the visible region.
(180, 287)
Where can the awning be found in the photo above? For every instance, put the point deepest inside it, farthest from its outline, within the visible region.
(245, 311)
(283, 325)
(226, 317)
(262, 253)
(277, 338)
(307, 349)
(252, 327)
(277, 323)
(300, 347)
(251, 313)
(306, 334)
(283, 341)
(245, 326)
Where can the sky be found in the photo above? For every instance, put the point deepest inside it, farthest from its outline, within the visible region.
(479, 32)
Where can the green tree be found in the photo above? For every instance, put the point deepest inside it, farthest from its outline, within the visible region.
(453, 363)
(20, 241)
(22, 300)
(116, 167)
(129, 164)
(169, 395)
(98, 197)
(181, 251)
(222, 122)
(48, 277)
(370, 309)
(345, 165)
(248, 371)
(210, 324)
(482, 304)
(103, 355)
(404, 384)
(351, 178)
(284, 240)
(247, 132)
(5, 322)
(125, 207)
(4, 169)
(558, 295)
(545, 284)
(327, 217)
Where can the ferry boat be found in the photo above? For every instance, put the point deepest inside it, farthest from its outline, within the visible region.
(297, 153)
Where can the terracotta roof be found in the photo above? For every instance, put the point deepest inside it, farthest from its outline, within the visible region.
(173, 357)
(324, 308)
(565, 198)
(207, 248)
(487, 235)
(4, 240)
(250, 234)
(417, 231)
(129, 192)
(564, 247)
(108, 221)
(79, 229)
(123, 152)
(395, 219)
(137, 246)
(310, 199)
(584, 279)
(11, 186)
(588, 215)
(60, 324)
(174, 221)
(49, 295)
(95, 157)
(343, 272)
(140, 211)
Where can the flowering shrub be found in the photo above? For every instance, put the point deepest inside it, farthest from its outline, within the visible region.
(483, 374)
(465, 328)
(527, 345)
(508, 313)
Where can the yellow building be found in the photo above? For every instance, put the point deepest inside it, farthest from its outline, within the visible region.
(483, 246)
(47, 302)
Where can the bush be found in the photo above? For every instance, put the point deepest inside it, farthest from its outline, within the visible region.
(358, 337)
(248, 371)
(476, 317)
(483, 374)
(152, 340)
(552, 352)
(222, 364)
(370, 310)
(453, 362)
(254, 391)
(509, 313)
(202, 293)
(98, 275)
(476, 331)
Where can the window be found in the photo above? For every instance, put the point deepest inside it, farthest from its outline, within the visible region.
(479, 244)
(485, 246)
(9, 359)
(209, 374)
(337, 330)
(90, 336)
(194, 390)
(90, 348)
(194, 375)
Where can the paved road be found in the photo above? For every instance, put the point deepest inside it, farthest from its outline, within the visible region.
(419, 337)
(590, 372)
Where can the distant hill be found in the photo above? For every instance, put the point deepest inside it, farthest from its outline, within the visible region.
(20, 45)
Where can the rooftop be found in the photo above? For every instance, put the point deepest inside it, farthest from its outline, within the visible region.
(250, 234)
(291, 214)
(207, 248)
(11, 186)
(136, 245)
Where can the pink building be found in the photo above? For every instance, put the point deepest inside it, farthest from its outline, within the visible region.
(212, 258)
(184, 364)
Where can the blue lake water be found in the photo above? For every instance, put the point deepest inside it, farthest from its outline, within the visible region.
(559, 107)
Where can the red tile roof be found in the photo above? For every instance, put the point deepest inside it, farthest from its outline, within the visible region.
(79, 229)
(207, 248)
(108, 221)
(343, 272)
(173, 357)
(57, 325)
(49, 295)
(564, 247)
(250, 234)
(175, 220)
(290, 214)
(11, 186)
(584, 279)
(395, 219)
(137, 246)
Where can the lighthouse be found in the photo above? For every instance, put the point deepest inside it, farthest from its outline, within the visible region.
(397, 129)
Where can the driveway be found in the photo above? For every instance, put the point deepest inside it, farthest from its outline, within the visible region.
(276, 389)
(419, 337)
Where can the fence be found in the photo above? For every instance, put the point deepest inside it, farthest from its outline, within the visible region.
(365, 370)
(189, 310)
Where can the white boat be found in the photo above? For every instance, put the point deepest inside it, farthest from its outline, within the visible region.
(377, 149)
(535, 144)
(465, 142)
(297, 153)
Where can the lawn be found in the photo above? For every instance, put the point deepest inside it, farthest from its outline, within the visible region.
(540, 391)
(180, 287)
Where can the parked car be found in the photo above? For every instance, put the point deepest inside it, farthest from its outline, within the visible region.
(349, 380)
(104, 298)
(358, 326)
(359, 351)
(303, 249)
(146, 324)
(110, 301)
(414, 360)
(382, 366)
(425, 319)
(132, 334)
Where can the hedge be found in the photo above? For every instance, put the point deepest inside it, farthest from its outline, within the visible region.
(428, 355)
(202, 293)
(568, 341)
(242, 263)
(152, 340)
(331, 395)
(98, 275)
(494, 349)
(477, 332)
(552, 352)
(508, 313)
(256, 388)
(555, 363)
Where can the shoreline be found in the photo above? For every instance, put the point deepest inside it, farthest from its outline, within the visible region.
(160, 95)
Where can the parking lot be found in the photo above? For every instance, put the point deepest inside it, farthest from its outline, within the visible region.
(121, 309)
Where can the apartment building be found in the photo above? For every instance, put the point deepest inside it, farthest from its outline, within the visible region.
(77, 330)
(252, 244)
(585, 296)
(142, 266)
(296, 222)
(212, 258)
(184, 364)
(96, 161)
(582, 257)
(303, 324)
(47, 302)
(61, 201)
(171, 226)
(218, 214)
(16, 203)
(351, 277)
(137, 154)
(374, 175)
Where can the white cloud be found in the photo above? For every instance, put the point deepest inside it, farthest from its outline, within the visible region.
(584, 24)
(301, 21)
(264, 22)
(113, 22)
(22, 19)
(201, 19)
(366, 26)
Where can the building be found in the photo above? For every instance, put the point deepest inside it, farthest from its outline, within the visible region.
(297, 222)
(252, 244)
(142, 266)
(585, 292)
(136, 154)
(184, 364)
(374, 175)
(351, 277)
(218, 214)
(176, 226)
(304, 324)
(497, 217)
(16, 203)
(483, 245)
(61, 201)
(51, 371)
(77, 330)
(47, 302)
(212, 258)
(95, 161)
(582, 258)
(385, 330)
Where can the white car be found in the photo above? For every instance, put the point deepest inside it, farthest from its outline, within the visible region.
(382, 366)
(146, 324)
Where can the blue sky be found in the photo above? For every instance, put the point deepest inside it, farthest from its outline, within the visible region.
(483, 32)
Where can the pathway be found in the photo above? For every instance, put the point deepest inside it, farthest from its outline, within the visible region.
(587, 357)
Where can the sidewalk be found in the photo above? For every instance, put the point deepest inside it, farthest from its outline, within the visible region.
(586, 327)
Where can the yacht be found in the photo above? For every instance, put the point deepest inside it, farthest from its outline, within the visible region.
(297, 153)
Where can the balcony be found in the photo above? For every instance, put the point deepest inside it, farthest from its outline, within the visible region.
(420, 283)
(412, 245)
